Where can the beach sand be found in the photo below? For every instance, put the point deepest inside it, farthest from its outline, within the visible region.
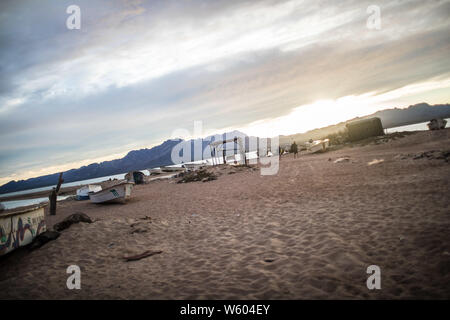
(309, 232)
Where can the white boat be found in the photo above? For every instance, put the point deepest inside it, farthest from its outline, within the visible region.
(193, 166)
(318, 145)
(171, 169)
(155, 171)
(83, 192)
(19, 227)
(119, 192)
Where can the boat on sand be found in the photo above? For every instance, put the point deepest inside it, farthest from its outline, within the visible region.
(172, 169)
(83, 192)
(119, 192)
(20, 226)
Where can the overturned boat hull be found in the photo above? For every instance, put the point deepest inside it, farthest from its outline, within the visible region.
(19, 227)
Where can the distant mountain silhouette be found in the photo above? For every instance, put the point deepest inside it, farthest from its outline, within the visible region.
(161, 154)
(135, 160)
(417, 113)
(390, 118)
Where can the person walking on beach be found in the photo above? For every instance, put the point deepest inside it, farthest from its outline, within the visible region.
(294, 149)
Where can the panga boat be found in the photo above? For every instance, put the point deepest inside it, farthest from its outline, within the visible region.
(119, 192)
(192, 166)
(83, 192)
(155, 171)
(171, 169)
(19, 227)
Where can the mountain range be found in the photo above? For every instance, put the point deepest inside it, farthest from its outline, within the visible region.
(390, 118)
(161, 155)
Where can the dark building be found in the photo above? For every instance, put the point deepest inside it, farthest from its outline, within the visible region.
(365, 128)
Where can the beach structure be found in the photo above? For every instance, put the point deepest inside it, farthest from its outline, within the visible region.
(83, 192)
(437, 124)
(136, 177)
(119, 192)
(218, 150)
(364, 128)
(20, 226)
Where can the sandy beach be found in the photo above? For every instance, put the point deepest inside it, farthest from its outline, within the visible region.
(309, 232)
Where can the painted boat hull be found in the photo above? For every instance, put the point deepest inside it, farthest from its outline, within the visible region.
(18, 228)
(117, 193)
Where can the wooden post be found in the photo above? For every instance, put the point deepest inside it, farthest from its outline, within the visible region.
(54, 195)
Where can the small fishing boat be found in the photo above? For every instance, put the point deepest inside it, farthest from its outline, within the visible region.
(19, 226)
(119, 192)
(193, 166)
(83, 192)
(171, 169)
(155, 171)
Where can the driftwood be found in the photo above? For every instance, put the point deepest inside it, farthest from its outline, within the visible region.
(73, 218)
(43, 238)
(142, 255)
(54, 195)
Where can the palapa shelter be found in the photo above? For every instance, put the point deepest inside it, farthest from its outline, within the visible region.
(365, 128)
(218, 147)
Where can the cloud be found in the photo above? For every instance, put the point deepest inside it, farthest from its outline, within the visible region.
(138, 70)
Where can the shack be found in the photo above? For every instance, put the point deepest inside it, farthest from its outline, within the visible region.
(135, 176)
(364, 128)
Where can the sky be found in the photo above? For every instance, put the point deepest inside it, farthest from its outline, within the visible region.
(136, 72)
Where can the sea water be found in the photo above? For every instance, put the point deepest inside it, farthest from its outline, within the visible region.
(414, 127)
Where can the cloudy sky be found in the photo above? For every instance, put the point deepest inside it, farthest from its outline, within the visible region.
(138, 70)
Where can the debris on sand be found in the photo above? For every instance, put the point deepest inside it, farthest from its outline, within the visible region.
(200, 175)
(429, 155)
(340, 160)
(375, 161)
(138, 228)
(142, 255)
(73, 218)
(43, 238)
(141, 226)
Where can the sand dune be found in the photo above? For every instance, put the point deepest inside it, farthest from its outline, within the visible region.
(309, 232)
